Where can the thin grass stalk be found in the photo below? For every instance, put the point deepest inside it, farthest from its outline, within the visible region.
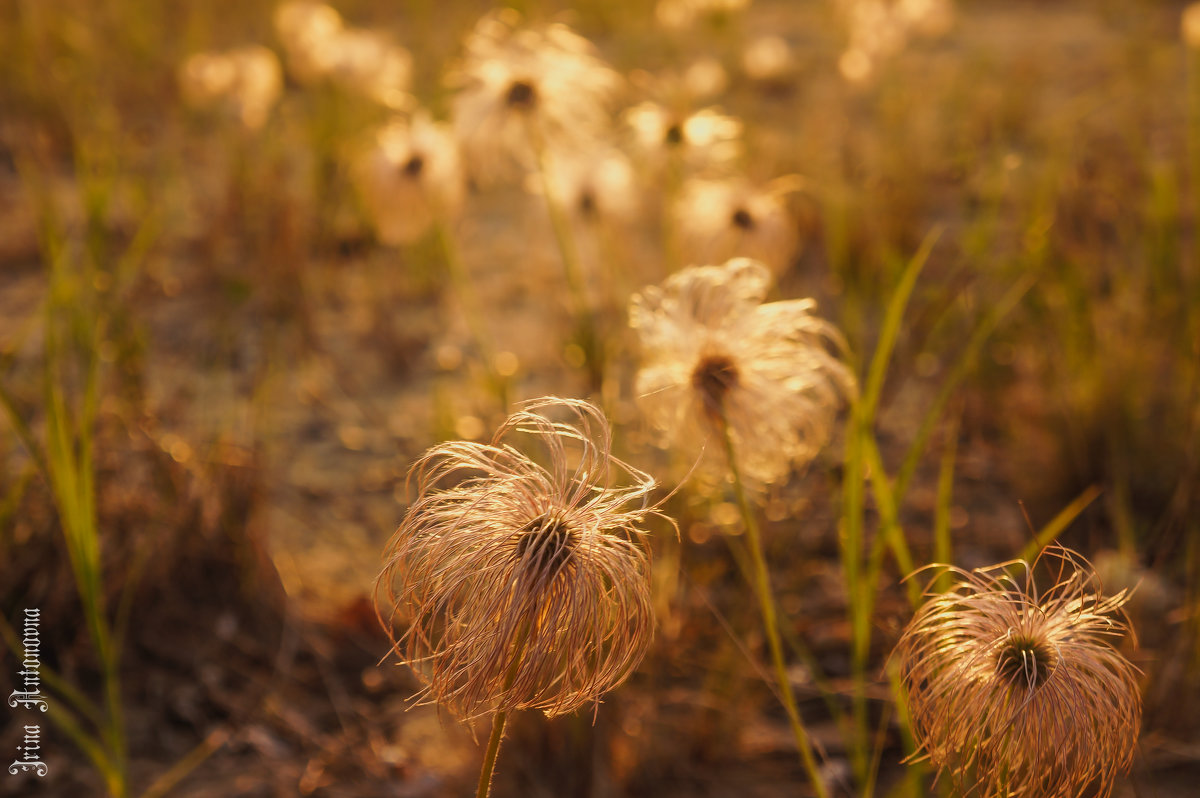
(190, 761)
(742, 557)
(945, 496)
(851, 545)
(965, 361)
(762, 589)
(890, 531)
(859, 439)
(1050, 532)
(1192, 84)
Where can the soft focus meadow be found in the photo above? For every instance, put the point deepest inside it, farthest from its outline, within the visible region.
(608, 398)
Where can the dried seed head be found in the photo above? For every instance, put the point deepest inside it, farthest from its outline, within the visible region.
(523, 586)
(514, 79)
(1019, 693)
(712, 352)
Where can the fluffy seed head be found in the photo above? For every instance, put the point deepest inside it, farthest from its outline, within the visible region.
(408, 175)
(713, 353)
(718, 219)
(244, 83)
(704, 141)
(1016, 693)
(523, 585)
(515, 82)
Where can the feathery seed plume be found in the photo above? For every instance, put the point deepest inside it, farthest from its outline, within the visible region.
(408, 177)
(1021, 693)
(245, 83)
(515, 83)
(714, 353)
(523, 585)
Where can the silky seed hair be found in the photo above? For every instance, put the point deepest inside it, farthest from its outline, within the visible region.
(713, 353)
(1013, 692)
(522, 584)
(521, 86)
(718, 219)
(408, 176)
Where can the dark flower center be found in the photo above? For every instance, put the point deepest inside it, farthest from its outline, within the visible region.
(546, 544)
(521, 95)
(742, 218)
(1025, 662)
(587, 203)
(674, 135)
(713, 378)
(414, 166)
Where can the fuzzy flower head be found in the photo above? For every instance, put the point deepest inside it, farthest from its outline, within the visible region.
(524, 585)
(244, 83)
(1021, 693)
(718, 219)
(704, 141)
(408, 177)
(596, 186)
(320, 47)
(714, 354)
(519, 88)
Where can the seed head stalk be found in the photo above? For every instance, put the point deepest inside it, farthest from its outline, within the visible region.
(568, 250)
(766, 603)
(499, 719)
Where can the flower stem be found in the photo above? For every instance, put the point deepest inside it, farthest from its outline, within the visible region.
(501, 716)
(489, 759)
(766, 604)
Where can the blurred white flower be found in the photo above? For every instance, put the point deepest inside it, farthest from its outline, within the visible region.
(713, 355)
(520, 88)
(244, 83)
(720, 219)
(409, 177)
(706, 140)
(679, 14)
(1190, 25)
(594, 186)
(769, 60)
(320, 47)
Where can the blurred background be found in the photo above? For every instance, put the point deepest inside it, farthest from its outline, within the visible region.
(234, 309)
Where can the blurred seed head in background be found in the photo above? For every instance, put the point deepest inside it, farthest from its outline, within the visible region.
(521, 88)
(408, 176)
(244, 83)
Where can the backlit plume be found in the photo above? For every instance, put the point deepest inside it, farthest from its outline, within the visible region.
(1016, 692)
(523, 585)
(521, 88)
(408, 177)
(244, 83)
(713, 353)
